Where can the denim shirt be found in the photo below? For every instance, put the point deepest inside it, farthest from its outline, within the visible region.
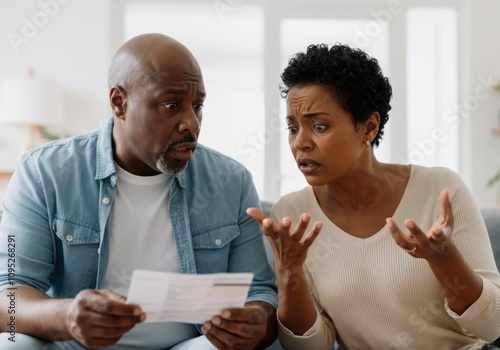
(57, 205)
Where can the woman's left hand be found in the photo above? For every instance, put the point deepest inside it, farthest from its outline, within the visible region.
(430, 245)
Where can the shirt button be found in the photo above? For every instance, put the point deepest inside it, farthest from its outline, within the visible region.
(105, 200)
(69, 238)
(113, 178)
(218, 242)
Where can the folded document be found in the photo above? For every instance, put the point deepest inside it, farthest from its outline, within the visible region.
(176, 297)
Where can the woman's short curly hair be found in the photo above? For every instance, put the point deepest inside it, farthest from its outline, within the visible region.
(354, 77)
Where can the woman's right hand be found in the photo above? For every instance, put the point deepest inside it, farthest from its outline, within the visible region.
(289, 246)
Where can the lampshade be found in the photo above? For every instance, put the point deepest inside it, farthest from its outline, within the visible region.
(30, 101)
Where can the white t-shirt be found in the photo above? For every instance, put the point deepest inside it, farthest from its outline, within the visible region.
(141, 238)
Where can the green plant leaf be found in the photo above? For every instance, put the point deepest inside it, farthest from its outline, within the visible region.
(47, 135)
(494, 179)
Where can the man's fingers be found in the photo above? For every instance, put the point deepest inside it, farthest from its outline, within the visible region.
(96, 331)
(236, 328)
(240, 329)
(112, 295)
(115, 308)
(107, 302)
(212, 338)
(98, 318)
(248, 314)
(108, 321)
(222, 339)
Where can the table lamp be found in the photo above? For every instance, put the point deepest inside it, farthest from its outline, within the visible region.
(33, 103)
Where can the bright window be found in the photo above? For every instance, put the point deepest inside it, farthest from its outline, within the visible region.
(243, 46)
(231, 62)
(432, 87)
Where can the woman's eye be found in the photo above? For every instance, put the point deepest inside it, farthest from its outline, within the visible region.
(320, 127)
(170, 106)
(292, 130)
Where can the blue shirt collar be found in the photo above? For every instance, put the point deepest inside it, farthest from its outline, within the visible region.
(105, 164)
(105, 161)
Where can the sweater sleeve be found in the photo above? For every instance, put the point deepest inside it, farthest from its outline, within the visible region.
(322, 333)
(320, 336)
(471, 237)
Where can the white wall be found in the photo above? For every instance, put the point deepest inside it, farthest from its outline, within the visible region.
(74, 48)
(70, 46)
(481, 45)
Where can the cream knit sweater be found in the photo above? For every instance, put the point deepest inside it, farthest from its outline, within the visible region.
(374, 295)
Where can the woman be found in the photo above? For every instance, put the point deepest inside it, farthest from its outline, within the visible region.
(403, 260)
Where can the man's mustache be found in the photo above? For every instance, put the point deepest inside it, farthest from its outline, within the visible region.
(190, 138)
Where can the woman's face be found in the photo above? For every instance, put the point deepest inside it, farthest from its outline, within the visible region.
(322, 136)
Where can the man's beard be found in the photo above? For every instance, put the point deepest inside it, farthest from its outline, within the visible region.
(162, 166)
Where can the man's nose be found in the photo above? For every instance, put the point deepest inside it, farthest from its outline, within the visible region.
(190, 122)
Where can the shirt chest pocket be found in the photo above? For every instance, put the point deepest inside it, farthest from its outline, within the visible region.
(212, 247)
(76, 258)
(73, 233)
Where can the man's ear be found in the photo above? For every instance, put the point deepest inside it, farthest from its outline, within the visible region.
(118, 101)
(372, 125)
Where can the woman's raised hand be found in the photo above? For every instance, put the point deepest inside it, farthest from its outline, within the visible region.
(289, 246)
(430, 245)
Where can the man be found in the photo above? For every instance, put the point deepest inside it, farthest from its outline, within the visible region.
(138, 193)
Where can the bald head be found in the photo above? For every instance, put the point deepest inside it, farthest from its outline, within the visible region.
(147, 57)
(156, 93)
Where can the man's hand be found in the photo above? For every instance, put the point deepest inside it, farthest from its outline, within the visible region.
(242, 328)
(99, 318)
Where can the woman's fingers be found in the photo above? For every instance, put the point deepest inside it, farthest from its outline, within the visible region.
(430, 244)
(257, 214)
(399, 237)
(419, 236)
(311, 237)
(444, 203)
(301, 227)
(282, 230)
(268, 226)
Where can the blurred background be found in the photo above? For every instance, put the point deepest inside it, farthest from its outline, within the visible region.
(442, 57)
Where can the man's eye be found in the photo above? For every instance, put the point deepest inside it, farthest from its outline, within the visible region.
(198, 107)
(170, 106)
